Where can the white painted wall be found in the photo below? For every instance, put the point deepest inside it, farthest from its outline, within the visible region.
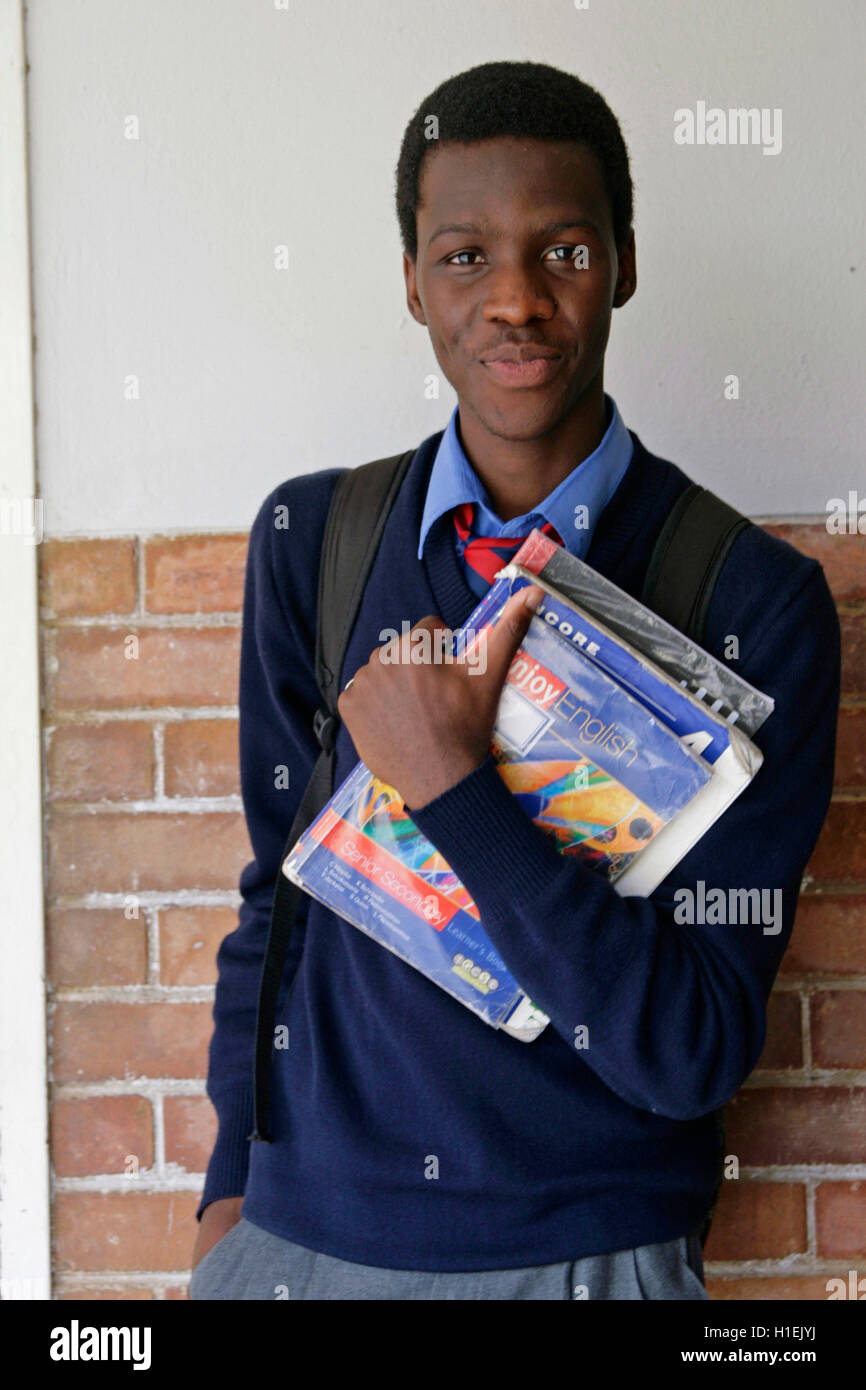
(264, 123)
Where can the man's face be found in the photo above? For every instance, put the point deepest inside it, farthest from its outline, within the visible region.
(498, 224)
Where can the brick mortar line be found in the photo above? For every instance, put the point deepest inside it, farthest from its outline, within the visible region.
(145, 1086)
(816, 984)
(159, 760)
(227, 532)
(799, 1078)
(815, 1173)
(793, 1265)
(132, 994)
(158, 1115)
(180, 805)
(151, 917)
(178, 897)
(167, 714)
(71, 1280)
(147, 1182)
(196, 622)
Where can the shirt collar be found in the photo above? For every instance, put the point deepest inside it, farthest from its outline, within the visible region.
(589, 486)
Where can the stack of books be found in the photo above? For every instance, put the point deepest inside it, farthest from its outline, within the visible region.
(622, 740)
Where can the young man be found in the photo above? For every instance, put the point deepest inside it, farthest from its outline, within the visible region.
(558, 1173)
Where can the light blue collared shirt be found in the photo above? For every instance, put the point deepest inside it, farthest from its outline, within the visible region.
(573, 507)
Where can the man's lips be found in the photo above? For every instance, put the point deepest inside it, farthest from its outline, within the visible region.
(530, 364)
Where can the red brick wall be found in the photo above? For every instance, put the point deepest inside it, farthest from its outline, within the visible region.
(146, 839)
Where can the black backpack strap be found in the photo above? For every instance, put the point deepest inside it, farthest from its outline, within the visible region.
(692, 547)
(688, 557)
(360, 505)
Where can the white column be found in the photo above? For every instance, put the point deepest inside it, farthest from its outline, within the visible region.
(25, 1265)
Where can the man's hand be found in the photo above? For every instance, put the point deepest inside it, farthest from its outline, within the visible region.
(422, 726)
(216, 1219)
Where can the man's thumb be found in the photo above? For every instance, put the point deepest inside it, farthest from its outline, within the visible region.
(504, 639)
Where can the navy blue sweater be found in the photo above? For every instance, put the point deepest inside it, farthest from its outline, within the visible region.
(545, 1153)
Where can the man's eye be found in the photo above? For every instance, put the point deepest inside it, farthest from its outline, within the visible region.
(452, 260)
(569, 253)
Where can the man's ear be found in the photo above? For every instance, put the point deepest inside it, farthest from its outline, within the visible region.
(626, 280)
(416, 308)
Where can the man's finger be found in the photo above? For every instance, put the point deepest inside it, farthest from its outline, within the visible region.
(504, 639)
(414, 648)
(431, 621)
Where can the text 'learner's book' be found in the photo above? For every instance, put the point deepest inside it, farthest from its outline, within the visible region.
(605, 753)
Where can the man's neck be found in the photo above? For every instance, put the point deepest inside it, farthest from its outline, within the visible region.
(518, 474)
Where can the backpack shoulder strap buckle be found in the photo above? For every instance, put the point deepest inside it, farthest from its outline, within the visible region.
(325, 727)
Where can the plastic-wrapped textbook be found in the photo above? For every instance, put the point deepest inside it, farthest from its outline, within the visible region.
(609, 755)
(709, 679)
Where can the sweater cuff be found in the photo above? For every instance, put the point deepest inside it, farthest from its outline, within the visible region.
(229, 1163)
(496, 850)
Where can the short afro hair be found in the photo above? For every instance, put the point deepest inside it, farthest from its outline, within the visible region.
(515, 99)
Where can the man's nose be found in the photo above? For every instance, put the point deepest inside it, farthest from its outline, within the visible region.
(516, 293)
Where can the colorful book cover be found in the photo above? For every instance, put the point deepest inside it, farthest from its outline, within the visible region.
(593, 767)
(730, 756)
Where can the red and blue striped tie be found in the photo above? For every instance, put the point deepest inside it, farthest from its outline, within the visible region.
(487, 554)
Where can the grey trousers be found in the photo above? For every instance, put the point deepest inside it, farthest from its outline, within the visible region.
(251, 1263)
